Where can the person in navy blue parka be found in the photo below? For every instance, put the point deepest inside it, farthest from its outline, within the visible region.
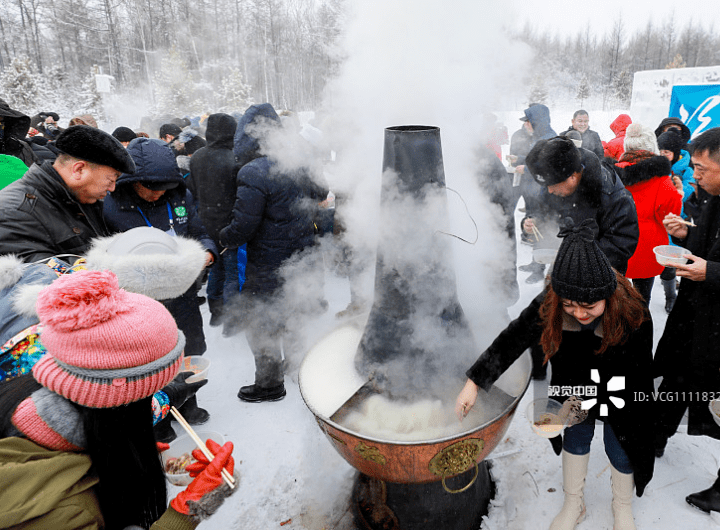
(155, 195)
(274, 214)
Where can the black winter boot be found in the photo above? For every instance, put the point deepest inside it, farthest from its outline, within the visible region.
(192, 413)
(216, 311)
(670, 294)
(164, 431)
(706, 500)
(258, 394)
(660, 443)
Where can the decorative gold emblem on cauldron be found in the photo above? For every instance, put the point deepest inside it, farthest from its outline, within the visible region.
(371, 453)
(455, 459)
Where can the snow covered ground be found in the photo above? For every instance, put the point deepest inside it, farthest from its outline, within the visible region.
(292, 478)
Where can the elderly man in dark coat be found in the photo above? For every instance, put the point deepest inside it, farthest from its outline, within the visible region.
(688, 355)
(274, 214)
(56, 208)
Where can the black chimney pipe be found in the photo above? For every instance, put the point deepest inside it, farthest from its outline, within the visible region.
(416, 328)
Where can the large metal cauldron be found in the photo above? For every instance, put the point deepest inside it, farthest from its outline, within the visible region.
(412, 349)
(399, 461)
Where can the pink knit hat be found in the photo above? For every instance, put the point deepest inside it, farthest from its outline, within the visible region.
(105, 346)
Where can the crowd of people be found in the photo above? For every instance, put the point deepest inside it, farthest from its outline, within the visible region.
(114, 235)
(105, 233)
(613, 203)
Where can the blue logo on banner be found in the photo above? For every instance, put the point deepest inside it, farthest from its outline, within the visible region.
(698, 106)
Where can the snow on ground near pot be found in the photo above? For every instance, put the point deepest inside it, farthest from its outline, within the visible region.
(290, 472)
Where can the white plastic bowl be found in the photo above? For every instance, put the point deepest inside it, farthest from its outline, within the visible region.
(714, 407)
(543, 415)
(670, 255)
(184, 444)
(198, 365)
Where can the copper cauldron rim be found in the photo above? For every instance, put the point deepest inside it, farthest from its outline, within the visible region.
(433, 441)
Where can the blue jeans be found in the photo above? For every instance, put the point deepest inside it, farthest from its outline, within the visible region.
(576, 441)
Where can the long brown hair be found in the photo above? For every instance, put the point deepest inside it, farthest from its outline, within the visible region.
(624, 312)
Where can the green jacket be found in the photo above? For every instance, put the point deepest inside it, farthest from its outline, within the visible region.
(43, 489)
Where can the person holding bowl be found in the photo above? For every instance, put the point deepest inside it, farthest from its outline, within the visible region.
(593, 328)
(79, 428)
(688, 354)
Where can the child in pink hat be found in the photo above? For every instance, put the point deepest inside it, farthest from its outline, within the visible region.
(80, 428)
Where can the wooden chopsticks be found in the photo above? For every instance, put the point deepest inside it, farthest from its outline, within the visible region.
(537, 233)
(683, 221)
(201, 445)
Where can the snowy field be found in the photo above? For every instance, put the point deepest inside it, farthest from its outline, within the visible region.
(292, 478)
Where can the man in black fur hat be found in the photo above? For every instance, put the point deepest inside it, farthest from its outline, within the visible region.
(576, 185)
(56, 207)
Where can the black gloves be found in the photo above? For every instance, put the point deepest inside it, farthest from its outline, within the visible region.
(179, 391)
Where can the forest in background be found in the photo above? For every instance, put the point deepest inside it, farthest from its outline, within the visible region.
(188, 58)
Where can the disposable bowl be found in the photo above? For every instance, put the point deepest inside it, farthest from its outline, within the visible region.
(670, 255)
(714, 407)
(544, 417)
(184, 444)
(198, 365)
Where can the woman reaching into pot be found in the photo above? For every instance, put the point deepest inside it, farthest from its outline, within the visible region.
(593, 327)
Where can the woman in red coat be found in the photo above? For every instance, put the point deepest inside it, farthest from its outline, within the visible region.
(646, 175)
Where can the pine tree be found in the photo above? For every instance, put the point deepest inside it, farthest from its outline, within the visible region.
(234, 94)
(583, 90)
(21, 85)
(538, 91)
(175, 89)
(622, 88)
(60, 91)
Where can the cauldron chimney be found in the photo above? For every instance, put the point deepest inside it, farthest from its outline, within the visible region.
(416, 327)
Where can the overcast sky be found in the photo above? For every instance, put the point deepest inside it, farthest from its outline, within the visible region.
(566, 17)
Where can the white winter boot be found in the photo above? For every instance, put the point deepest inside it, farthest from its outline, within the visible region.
(573, 511)
(623, 487)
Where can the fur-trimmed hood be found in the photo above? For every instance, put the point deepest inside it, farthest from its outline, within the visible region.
(644, 168)
(159, 275)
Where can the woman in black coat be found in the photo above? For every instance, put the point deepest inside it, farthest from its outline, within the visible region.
(593, 327)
